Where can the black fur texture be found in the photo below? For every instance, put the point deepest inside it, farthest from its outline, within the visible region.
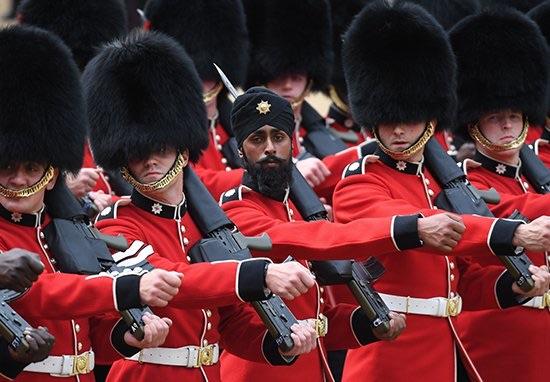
(449, 12)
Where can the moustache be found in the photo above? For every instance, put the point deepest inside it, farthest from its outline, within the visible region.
(270, 159)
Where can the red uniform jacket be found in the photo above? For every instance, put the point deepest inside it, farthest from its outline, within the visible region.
(64, 303)
(254, 214)
(428, 346)
(209, 307)
(508, 359)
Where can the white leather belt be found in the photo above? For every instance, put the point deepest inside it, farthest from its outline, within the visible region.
(435, 306)
(64, 365)
(187, 356)
(539, 302)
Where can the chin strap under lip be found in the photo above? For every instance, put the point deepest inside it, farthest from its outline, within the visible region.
(413, 149)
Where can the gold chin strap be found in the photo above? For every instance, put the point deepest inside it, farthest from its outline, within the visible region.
(300, 99)
(416, 147)
(29, 191)
(212, 93)
(335, 98)
(176, 169)
(476, 134)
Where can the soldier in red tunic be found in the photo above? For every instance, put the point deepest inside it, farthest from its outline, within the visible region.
(400, 70)
(148, 118)
(496, 115)
(42, 125)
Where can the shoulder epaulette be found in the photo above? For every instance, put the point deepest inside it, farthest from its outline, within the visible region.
(468, 164)
(111, 211)
(232, 194)
(359, 166)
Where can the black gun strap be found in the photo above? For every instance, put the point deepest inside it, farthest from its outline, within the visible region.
(440, 164)
(202, 207)
(534, 170)
(61, 203)
(304, 198)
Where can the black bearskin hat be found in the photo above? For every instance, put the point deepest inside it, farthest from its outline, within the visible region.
(287, 37)
(211, 31)
(143, 94)
(521, 5)
(342, 13)
(449, 12)
(541, 15)
(399, 66)
(42, 109)
(502, 63)
(84, 25)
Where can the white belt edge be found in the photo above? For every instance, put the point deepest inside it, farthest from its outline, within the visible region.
(435, 306)
(539, 302)
(186, 356)
(62, 366)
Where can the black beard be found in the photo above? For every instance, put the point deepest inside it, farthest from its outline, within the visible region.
(270, 181)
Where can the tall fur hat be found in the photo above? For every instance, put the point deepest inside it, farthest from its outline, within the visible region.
(502, 63)
(211, 31)
(289, 36)
(521, 5)
(42, 109)
(143, 93)
(449, 12)
(84, 25)
(399, 66)
(541, 15)
(342, 13)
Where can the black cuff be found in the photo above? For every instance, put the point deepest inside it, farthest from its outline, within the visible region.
(117, 340)
(502, 236)
(505, 295)
(127, 292)
(251, 280)
(9, 367)
(361, 327)
(272, 355)
(405, 232)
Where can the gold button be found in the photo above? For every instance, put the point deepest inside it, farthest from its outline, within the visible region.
(427, 181)
(436, 208)
(53, 261)
(452, 265)
(430, 192)
(452, 277)
(208, 313)
(224, 161)
(188, 259)
(526, 185)
(79, 346)
(182, 228)
(321, 300)
(219, 147)
(218, 137)
(322, 290)
(46, 246)
(205, 343)
(301, 140)
(209, 326)
(41, 235)
(452, 294)
(77, 328)
(185, 241)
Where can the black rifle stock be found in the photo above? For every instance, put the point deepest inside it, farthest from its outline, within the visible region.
(534, 170)
(459, 196)
(12, 325)
(79, 248)
(224, 242)
(358, 276)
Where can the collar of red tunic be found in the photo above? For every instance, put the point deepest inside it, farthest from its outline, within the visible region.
(154, 207)
(28, 220)
(411, 168)
(497, 167)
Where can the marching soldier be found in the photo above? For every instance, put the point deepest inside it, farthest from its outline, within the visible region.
(148, 118)
(496, 115)
(400, 70)
(43, 124)
(84, 25)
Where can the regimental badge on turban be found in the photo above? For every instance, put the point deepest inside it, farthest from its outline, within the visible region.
(263, 107)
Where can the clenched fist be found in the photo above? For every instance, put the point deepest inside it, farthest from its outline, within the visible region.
(155, 332)
(534, 236)
(158, 287)
(441, 232)
(19, 268)
(304, 337)
(288, 280)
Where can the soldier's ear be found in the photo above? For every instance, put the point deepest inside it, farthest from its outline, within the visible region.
(185, 155)
(241, 153)
(51, 183)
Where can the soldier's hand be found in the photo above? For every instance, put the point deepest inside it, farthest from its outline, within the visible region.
(100, 199)
(304, 337)
(467, 150)
(398, 323)
(542, 282)
(40, 344)
(84, 182)
(314, 170)
(19, 268)
(328, 207)
(534, 236)
(155, 332)
(158, 287)
(441, 232)
(288, 280)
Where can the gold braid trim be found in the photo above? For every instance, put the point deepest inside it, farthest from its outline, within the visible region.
(339, 102)
(416, 147)
(29, 191)
(159, 184)
(476, 134)
(212, 93)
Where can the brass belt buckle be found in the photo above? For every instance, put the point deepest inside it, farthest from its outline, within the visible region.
(206, 356)
(545, 303)
(81, 364)
(321, 325)
(454, 306)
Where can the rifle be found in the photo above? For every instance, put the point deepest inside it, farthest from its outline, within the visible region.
(223, 242)
(319, 141)
(12, 325)
(79, 248)
(358, 276)
(459, 196)
(534, 170)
